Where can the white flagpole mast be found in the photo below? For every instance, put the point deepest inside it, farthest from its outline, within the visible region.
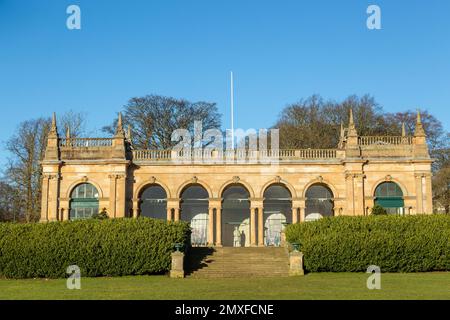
(232, 110)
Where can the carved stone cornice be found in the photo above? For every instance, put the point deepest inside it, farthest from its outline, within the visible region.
(117, 176)
(422, 174)
(354, 175)
(52, 176)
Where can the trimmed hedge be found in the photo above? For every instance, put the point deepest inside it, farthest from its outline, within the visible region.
(394, 243)
(111, 247)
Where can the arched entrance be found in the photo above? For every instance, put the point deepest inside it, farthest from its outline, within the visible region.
(194, 209)
(236, 216)
(277, 212)
(83, 201)
(153, 202)
(319, 202)
(390, 196)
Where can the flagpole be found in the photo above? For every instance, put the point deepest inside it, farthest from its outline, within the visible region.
(232, 109)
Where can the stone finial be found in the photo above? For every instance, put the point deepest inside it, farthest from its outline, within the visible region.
(53, 129)
(68, 132)
(129, 133)
(419, 132)
(351, 125)
(119, 131)
(52, 149)
(403, 130)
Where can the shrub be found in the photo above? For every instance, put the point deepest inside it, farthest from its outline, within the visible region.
(394, 243)
(110, 247)
(101, 215)
(378, 210)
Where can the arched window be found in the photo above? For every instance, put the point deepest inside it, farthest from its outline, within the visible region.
(236, 216)
(319, 202)
(194, 209)
(154, 202)
(390, 197)
(84, 201)
(277, 211)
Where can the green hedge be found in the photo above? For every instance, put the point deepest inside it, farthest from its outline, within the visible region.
(112, 247)
(394, 243)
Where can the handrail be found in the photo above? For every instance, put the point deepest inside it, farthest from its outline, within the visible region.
(85, 142)
(208, 154)
(383, 140)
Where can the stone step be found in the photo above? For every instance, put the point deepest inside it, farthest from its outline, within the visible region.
(228, 262)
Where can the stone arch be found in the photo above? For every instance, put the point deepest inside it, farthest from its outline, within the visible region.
(82, 181)
(320, 181)
(236, 182)
(276, 181)
(193, 181)
(376, 184)
(145, 184)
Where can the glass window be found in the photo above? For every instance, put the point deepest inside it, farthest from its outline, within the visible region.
(319, 200)
(154, 202)
(390, 196)
(84, 202)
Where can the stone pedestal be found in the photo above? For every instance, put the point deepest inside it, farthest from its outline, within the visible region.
(177, 268)
(283, 242)
(296, 264)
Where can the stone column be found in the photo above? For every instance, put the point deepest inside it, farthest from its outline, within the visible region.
(44, 203)
(215, 204)
(219, 227)
(359, 194)
(302, 214)
(428, 194)
(253, 227)
(294, 215)
(350, 191)
(64, 211)
(298, 212)
(177, 214)
(112, 195)
(419, 193)
(121, 196)
(260, 227)
(53, 196)
(135, 208)
(169, 214)
(211, 227)
(173, 204)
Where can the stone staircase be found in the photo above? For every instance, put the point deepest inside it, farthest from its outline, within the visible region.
(228, 262)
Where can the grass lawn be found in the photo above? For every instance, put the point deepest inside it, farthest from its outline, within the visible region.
(312, 286)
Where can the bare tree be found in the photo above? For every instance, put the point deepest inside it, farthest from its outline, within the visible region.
(152, 119)
(10, 209)
(27, 150)
(315, 123)
(76, 121)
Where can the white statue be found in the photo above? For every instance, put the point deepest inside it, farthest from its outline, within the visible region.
(236, 237)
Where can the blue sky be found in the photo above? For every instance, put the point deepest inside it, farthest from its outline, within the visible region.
(280, 51)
